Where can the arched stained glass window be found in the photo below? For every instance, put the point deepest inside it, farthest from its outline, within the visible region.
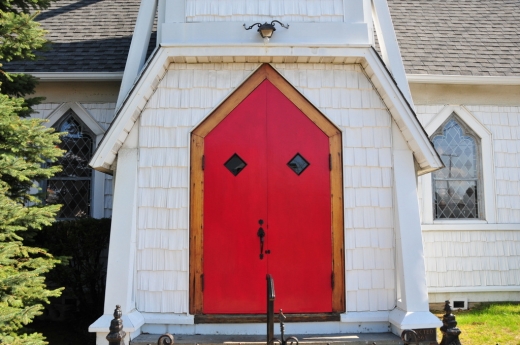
(456, 187)
(72, 186)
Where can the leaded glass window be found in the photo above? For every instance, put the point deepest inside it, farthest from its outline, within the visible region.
(72, 186)
(456, 187)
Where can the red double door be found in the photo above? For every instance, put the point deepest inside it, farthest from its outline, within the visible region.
(266, 166)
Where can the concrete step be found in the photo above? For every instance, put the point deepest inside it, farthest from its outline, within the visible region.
(326, 339)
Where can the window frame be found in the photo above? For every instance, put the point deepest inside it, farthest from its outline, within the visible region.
(86, 131)
(467, 132)
(55, 118)
(487, 166)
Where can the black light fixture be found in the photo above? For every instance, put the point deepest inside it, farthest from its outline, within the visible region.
(266, 30)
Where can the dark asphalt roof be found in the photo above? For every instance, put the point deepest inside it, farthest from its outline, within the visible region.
(86, 36)
(453, 37)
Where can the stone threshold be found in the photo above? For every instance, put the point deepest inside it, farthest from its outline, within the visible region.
(307, 339)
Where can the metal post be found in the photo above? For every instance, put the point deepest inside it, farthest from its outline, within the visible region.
(165, 339)
(270, 308)
(449, 329)
(116, 335)
(409, 336)
(289, 341)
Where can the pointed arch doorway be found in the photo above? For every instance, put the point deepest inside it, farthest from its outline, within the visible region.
(266, 197)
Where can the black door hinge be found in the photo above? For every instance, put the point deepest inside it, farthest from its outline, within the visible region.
(332, 280)
(203, 161)
(202, 281)
(330, 162)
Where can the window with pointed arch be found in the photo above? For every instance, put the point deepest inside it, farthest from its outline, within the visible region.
(457, 187)
(72, 187)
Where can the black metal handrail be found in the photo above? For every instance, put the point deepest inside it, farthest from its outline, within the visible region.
(271, 340)
(270, 308)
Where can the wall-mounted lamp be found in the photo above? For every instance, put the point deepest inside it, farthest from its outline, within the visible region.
(266, 30)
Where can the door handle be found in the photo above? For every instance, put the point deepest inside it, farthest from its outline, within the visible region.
(261, 234)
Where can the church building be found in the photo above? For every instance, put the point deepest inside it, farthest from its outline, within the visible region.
(322, 142)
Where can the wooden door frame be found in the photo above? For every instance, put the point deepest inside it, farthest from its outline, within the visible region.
(197, 183)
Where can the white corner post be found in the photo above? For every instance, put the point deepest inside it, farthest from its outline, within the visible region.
(412, 310)
(120, 289)
(354, 11)
(359, 11)
(390, 47)
(138, 48)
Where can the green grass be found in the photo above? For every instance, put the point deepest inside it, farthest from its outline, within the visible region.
(489, 324)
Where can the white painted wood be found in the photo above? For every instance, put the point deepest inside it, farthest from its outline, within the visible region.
(408, 231)
(264, 11)
(103, 113)
(487, 163)
(76, 76)
(426, 199)
(159, 318)
(403, 115)
(175, 11)
(389, 46)
(473, 289)
(369, 20)
(401, 320)
(138, 47)
(98, 194)
(81, 112)
(470, 226)
(354, 11)
(462, 79)
(104, 156)
(423, 150)
(131, 323)
(43, 110)
(378, 316)
(480, 260)
(121, 257)
(161, 18)
(215, 34)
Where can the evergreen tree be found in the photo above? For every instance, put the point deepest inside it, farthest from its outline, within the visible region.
(25, 148)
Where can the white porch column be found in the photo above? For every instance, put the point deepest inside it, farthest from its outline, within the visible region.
(354, 11)
(138, 47)
(390, 47)
(120, 287)
(175, 11)
(412, 310)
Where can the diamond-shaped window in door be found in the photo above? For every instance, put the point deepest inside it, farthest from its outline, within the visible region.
(235, 164)
(298, 164)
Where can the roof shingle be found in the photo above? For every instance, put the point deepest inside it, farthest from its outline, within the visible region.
(450, 37)
(458, 37)
(86, 36)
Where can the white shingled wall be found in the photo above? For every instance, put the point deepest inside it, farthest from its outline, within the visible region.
(504, 125)
(472, 258)
(43, 111)
(482, 258)
(251, 11)
(187, 94)
(103, 113)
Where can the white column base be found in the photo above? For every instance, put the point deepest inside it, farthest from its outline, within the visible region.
(401, 320)
(132, 323)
